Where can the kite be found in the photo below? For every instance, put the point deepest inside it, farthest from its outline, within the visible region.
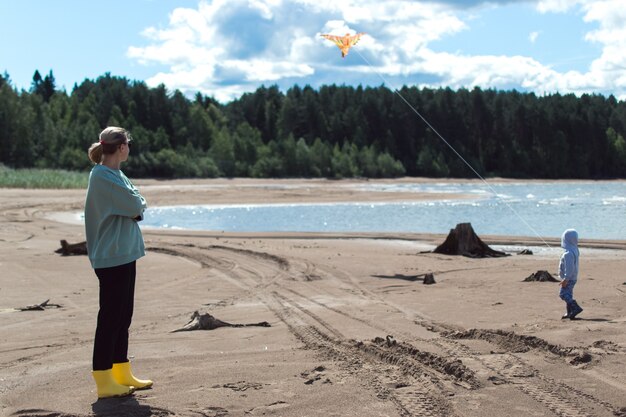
(344, 42)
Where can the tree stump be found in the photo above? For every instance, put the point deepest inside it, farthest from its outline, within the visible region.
(429, 279)
(540, 276)
(462, 240)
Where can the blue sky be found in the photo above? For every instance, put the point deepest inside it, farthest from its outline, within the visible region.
(224, 48)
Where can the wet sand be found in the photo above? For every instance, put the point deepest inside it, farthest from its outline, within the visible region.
(354, 331)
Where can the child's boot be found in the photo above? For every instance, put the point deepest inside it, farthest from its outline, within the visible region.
(123, 375)
(108, 387)
(575, 310)
(569, 312)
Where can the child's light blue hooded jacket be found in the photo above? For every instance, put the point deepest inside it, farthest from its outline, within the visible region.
(568, 266)
(111, 207)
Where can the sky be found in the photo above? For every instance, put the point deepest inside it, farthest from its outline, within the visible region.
(225, 48)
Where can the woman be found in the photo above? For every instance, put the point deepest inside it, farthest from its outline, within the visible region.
(114, 242)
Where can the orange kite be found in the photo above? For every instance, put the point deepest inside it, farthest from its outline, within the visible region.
(344, 42)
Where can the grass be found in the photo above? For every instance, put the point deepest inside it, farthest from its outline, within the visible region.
(41, 178)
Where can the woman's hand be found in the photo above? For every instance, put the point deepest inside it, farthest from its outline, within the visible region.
(563, 283)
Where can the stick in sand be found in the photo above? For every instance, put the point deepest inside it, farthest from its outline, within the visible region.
(38, 307)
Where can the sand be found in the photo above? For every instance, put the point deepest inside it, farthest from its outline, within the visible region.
(354, 331)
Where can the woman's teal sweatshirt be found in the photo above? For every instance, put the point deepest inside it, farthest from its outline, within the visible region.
(112, 208)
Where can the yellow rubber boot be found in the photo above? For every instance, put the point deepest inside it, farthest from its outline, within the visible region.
(123, 375)
(107, 387)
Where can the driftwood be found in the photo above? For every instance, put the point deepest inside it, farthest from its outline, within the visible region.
(540, 276)
(39, 307)
(462, 240)
(206, 321)
(67, 249)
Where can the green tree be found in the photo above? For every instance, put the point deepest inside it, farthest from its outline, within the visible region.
(269, 163)
(389, 167)
(222, 151)
(617, 145)
(303, 160)
(431, 164)
(201, 129)
(247, 142)
(368, 162)
(9, 121)
(321, 156)
(343, 161)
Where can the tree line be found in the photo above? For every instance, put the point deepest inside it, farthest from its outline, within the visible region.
(334, 131)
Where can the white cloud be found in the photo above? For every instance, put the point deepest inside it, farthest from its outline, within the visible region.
(532, 37)
(556, 6)
(608, 71)
(486, 71)
(224, 48)
(263, 70)
(265, 7)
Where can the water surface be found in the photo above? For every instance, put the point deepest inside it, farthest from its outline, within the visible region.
(596, 209)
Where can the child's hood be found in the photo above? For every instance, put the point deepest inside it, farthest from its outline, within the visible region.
(569, 241)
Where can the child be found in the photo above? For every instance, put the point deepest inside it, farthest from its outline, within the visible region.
(568, 271)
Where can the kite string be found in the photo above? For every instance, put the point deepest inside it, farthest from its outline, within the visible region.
(454, 150)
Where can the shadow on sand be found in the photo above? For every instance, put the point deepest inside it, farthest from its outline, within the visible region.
(596, 320)
(427, 278)
(126, 407)
(400, 276)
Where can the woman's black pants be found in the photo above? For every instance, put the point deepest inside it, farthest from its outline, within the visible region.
(117, 293)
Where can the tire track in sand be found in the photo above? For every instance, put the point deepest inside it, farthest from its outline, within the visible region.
(560, 398)
(422, 398)
(412, 400)
(376, 363)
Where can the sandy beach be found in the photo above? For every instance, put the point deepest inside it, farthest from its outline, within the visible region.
(353, 329)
